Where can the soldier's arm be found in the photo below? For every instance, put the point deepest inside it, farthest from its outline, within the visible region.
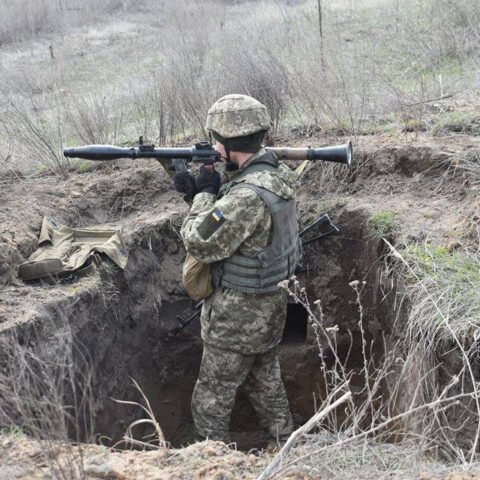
(214, 229)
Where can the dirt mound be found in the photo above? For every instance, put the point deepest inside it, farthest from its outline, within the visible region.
(25, 459)
(98, 197)
(424, 184)
(400, 190)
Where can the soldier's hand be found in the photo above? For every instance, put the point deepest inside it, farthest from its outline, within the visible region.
(208, 180)
(185, 183)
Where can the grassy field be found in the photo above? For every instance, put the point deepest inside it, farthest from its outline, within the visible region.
(108, 71)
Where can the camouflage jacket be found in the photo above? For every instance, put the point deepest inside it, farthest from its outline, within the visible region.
(238, 222)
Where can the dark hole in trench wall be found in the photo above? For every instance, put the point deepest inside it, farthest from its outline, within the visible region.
(296, 324)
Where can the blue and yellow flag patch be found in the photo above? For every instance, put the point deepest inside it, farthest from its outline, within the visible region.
(211, 224)
(218, 216)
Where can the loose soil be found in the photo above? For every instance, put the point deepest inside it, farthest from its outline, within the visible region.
(122, 318)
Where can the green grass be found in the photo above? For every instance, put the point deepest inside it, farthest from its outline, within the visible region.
(84, 166)
(445, 266)
(40, 170)
(457, 122)
(13, 431)
(383, 224)
(445, 291)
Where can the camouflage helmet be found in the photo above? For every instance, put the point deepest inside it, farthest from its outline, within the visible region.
(237, 115)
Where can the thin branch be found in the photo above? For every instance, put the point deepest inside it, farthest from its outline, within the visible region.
(277, 461)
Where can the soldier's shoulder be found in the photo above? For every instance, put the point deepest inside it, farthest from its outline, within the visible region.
(242, 200)
(276, 182)
(243, 192)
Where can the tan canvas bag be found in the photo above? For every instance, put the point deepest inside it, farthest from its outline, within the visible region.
(197, 278)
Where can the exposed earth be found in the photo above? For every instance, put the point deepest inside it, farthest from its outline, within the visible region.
(121, 319)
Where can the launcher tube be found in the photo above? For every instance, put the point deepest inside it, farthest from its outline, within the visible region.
(338, 154)
(205, 153)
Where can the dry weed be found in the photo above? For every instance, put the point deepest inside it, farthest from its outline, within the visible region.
(371, 68)
(398, 402)
(48, 396)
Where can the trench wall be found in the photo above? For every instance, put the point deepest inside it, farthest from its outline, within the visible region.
(122, 321)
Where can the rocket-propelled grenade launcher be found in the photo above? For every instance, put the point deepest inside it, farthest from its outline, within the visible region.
(203, 152)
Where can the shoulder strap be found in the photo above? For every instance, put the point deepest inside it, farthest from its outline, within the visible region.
(256, 167)
(272, 200)
(238, 182)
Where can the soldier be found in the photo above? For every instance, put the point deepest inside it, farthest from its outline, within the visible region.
(247, 231)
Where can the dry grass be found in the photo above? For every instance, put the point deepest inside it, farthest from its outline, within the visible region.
(442, 289)
(46, 394)
(156, 439)
(46, 390)
(471, 165)
(378, 57)
(403, 399)
(451, 309)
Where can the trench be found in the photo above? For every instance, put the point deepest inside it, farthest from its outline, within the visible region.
(167, 369)
(125, 331)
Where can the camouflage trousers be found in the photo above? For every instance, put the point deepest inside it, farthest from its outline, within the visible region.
(221, 373)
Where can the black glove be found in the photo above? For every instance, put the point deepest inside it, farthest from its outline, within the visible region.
(185, 183)
(208, 181)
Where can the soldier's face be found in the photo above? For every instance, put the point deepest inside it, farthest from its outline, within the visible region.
(221, 150)
(231, 164)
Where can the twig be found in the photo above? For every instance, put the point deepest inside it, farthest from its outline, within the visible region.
(430, 405)
(277, 461)
(443, 97)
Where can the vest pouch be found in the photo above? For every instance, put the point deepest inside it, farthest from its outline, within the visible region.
(274, 272)
(197, 278)
(35, 270)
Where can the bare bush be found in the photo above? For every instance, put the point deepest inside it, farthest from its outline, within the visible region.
(155, 109)
(36, 133)
(26, 19)
(375, 64)
(46, 393)
(95, 118)
(397, 401)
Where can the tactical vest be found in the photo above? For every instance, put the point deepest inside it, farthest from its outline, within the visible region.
(277, 261)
